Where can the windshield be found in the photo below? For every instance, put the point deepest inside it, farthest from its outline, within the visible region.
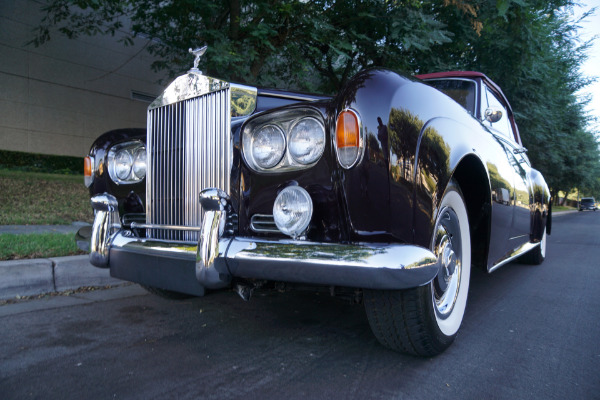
(587, 201)
(460, 90)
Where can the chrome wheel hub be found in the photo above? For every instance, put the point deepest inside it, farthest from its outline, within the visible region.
(446, 247)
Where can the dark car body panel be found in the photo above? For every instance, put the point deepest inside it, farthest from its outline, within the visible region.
(416, 139)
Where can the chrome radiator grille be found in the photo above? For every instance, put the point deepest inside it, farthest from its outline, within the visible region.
(189, 148)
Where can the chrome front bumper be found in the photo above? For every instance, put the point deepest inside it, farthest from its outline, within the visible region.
(217, 259)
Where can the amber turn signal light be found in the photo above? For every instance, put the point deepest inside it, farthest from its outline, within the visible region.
(346, 131)
(88, 170)
(347, 138)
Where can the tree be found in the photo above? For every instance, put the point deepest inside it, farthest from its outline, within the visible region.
(529, 47)
(309, 45)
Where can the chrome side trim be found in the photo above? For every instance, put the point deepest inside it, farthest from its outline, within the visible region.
(518, 252)
(106, 223)
(263, 223)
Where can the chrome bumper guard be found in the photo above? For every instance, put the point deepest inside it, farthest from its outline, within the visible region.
(217, 259)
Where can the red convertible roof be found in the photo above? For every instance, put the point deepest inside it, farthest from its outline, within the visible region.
(449, 74)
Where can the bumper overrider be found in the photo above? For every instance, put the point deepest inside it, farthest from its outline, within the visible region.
(219, 257)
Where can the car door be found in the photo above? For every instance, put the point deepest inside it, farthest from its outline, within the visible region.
(511, 208)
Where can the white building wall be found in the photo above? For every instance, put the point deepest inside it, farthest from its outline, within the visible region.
(57, 98)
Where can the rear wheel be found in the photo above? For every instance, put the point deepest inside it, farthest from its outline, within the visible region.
(538, 254)
(424, 321)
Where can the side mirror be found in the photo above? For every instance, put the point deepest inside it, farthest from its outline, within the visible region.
(493, 115)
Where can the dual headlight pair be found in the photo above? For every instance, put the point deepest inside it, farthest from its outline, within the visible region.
(284, 141)
(127, 162)
(291, 140)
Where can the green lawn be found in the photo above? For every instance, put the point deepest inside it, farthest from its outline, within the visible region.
(29, 198)
(37, 245)
(32, 198)
(562, 208)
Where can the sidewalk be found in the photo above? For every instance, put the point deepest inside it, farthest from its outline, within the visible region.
(45, 275)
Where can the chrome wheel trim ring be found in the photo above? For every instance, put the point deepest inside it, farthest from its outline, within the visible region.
(543, 245)
(446, 285)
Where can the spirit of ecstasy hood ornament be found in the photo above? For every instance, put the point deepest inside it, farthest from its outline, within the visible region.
(199, 52)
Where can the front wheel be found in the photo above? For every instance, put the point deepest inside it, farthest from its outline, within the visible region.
(424, 321)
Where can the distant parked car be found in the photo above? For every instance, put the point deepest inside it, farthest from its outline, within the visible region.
(587, 203)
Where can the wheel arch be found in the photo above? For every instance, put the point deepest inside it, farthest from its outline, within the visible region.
(457, 158)
(473, 180)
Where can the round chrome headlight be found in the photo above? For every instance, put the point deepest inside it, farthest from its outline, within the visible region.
(139, 163)
(123, 164)
(292, 211)
(307, 140)
(268, 146)
(126, 162)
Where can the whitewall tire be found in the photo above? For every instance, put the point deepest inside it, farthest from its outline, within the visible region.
(424, 321)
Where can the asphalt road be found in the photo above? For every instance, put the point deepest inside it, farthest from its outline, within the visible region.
(530, 332)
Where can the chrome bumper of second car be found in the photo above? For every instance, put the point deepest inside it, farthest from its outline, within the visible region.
(217, 259)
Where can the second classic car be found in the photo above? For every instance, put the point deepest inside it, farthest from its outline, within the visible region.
(387, 193)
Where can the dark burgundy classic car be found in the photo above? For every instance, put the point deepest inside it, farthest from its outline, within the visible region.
(387, 194)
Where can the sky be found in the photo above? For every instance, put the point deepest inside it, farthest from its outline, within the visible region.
(589, 29)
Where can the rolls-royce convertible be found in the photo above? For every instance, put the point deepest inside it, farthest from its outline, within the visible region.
(386, 194)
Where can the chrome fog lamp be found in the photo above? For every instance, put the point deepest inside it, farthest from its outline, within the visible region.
(292, 211)
(268, 146)
(307, 140)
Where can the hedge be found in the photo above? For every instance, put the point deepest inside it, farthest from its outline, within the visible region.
(16, 160)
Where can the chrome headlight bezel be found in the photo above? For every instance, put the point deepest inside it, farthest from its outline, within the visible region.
(133, 149)
(286, 121)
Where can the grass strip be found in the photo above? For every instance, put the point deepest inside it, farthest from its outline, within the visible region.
(562, 208)
(28, 198)
(37, 245)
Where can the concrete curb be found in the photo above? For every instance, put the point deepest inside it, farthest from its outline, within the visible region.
(45, 275)
(559, 213)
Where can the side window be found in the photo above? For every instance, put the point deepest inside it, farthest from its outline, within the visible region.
(503, 126)
(460, 90)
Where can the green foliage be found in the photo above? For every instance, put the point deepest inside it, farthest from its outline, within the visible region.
(307, 45)
(529, 47)
(16, 160)
(37, 245)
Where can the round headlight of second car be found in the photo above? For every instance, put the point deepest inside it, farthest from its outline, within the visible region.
(123, 164)
(268, 146)
(139, 163)
(307, 141)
